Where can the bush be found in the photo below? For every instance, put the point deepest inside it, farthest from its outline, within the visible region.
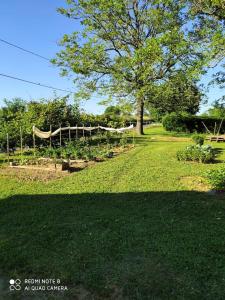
(198, 139)
(202, 154)
(173, 122)
(216, 178)
(188, 123)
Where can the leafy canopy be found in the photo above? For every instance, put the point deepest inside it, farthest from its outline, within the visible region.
(125, 46)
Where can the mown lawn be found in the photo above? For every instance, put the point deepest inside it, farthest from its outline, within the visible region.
(127, 228)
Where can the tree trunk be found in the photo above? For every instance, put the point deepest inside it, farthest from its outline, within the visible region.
(140, 113)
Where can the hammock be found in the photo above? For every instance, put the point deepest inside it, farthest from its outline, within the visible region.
(48, 134)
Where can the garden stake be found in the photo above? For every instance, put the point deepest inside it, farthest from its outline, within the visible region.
(21, 142)
(60, 137)
(76, 133)
(50, 141)
(34, 146)
(69, 134)
(7, 137)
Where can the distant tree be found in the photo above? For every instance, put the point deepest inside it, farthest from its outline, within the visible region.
(217, 109)
(126, 46)
(113, 111)
(178, 94)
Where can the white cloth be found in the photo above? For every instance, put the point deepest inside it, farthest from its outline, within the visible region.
(48, 134)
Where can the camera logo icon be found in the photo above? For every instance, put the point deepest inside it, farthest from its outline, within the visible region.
(15, 284)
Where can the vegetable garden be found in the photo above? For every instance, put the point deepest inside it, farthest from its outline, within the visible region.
(70, 151)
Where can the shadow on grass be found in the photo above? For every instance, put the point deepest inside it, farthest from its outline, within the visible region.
(147, 245)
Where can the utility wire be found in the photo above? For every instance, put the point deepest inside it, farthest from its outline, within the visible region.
(25, 50)
(35, 83)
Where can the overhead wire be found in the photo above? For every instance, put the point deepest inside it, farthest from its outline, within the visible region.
(34, 83)
(23, 49)
(28, 81)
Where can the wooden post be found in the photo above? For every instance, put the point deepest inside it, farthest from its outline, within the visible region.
(60, 137)
(76, 133)
(83, 130)
(207, 130)
(21, 141)
(98, 129)
(98, 136)
(219, 129)
(69, 134)
(215, 129)
(34, 145)
(50, 141)
(7, 142)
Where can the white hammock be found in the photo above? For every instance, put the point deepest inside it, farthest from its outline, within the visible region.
(48, 134)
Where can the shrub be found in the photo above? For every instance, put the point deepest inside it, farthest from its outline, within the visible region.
(216, 178)
(198, 139)
(202, 154)
(188, 123)
(174, 122)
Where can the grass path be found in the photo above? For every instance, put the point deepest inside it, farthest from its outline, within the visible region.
(127, 228)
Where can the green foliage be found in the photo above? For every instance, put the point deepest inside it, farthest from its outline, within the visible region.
(211, 8)
(201, 154)
(188, 123)
(174, 122)
(178, 94)
(123, 50)
(217, 110)
(43, 113)
(99, 148)
(123, 141)
(198, 139)
(113, 111)
(217, 178)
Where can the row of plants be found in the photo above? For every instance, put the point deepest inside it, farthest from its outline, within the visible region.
(97, 148)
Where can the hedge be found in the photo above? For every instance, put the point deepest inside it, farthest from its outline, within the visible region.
(188, 123)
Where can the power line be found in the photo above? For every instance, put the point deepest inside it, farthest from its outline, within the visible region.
(25, 50)
(35, 83)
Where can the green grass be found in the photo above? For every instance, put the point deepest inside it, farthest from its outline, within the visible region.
(126, 228)
(160, 131)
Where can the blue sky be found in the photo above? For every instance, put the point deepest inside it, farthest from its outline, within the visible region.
(35, 25)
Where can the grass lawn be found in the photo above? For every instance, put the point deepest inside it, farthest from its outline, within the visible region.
(127, 228)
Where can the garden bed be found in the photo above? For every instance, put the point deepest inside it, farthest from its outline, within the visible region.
(42, 168)
(30, 174)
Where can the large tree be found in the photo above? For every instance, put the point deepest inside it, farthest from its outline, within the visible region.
(124, 47)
